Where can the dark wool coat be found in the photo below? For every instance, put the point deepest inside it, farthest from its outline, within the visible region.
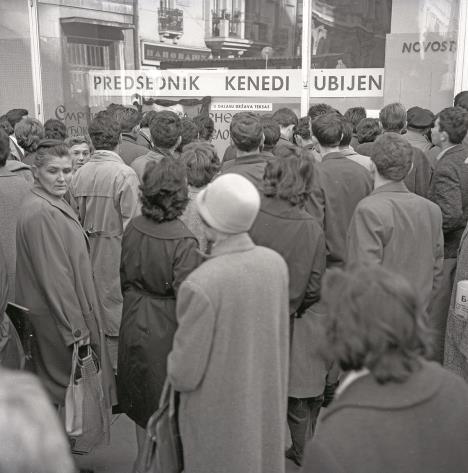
(339, 185)
(449, 190)
(54, 280)
(130, 149)
(416, 426)
(401, 231)
(251, 166)
(156, 258)
(230, 360)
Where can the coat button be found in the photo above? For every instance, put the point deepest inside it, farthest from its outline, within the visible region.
(77, 333)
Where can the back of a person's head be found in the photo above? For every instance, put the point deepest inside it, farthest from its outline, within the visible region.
(285, 117)
(302, 128)
(289, 178)
(55, 129)
(205, 126)
(347, 133)
(317, 109)
(165, 129)
(246, 131)
(127, 117)
(188, 132)
(6, 125)
(201, 161)
(147, 117)
(16, 115)
(393, 117)
(104, 132)
(368, 130)
(29, 132)
(271, 131)
(392, 156)
(31, 437)
(376, 323)
(454, 121)
(461, 100)
(4, 147)
(355, 115)
(328, 129)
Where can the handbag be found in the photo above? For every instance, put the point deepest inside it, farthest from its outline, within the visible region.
(162, 447)
(87, 421)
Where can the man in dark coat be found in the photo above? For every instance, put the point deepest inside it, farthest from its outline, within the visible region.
(396, 228)
(247, 136)
(449, 190)
(341, 184)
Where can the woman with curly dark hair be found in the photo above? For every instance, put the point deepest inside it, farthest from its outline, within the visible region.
(158, 252)
(284, 226)
(394, 411)
(29, 132)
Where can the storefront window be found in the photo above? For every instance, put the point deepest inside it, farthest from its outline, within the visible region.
(223, 56)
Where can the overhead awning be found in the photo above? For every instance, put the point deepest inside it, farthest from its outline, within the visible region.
(94, 28)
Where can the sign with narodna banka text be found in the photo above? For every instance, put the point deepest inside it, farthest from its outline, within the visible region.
(281, 83)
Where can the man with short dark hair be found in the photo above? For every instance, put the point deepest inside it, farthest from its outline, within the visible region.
(341, 184)
(354, 115)
(55, 130)
(272, 134)
(396, 228)
(247, 137)
(14, 116)
(129, 119)
(166, 131)
(106, 193)
(286, 120)
(317, 109)
(449, 190)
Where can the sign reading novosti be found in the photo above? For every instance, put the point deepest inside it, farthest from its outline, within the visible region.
(281, 83)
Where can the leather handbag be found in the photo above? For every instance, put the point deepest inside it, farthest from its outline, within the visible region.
(162, 448)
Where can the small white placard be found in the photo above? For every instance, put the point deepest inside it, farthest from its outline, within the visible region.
(242, 107)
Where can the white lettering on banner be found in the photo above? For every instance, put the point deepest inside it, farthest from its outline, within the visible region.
(280, 83)
(238, 107)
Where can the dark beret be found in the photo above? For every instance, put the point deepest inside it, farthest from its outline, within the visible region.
(420, 117)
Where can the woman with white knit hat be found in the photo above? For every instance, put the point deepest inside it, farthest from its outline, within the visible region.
(230, 353)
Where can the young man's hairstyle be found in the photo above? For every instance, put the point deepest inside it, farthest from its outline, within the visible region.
(78, 140)
(317, 109)
(271, 131)
(4, 147)
(188, 132)
(375, 323)
(6, 125)
(347, 132)
(147, 117)
(454, 121)
(285, 117)
(127, 117)
(355, 115)
(289, 178)
(29, 132)
(16, 115)
(104, 132)
(246, 131)
(201, 162)
(165, 129)
(392, 155)
(55, 130)
(461, 100)
(205, 126)
(328, 129)
(164, 191)
(302, 128)
(368, 130)
(393, 117)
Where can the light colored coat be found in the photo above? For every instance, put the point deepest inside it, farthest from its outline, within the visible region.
(401, 231)
(230, 360)
(106, 194)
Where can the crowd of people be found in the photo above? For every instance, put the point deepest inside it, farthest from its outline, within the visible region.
(307, 279)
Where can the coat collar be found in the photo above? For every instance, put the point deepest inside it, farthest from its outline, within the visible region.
(5, 172)
(254, 158)
(283, 209)
(59, 204)
(366, 392)
(233, 244)
(171, 230)
(333, 155)
(453, 149)
(391, 187)
(106, 155)
(129, 137)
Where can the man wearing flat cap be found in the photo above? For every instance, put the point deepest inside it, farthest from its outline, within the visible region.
(229, 359)
(419, 123)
